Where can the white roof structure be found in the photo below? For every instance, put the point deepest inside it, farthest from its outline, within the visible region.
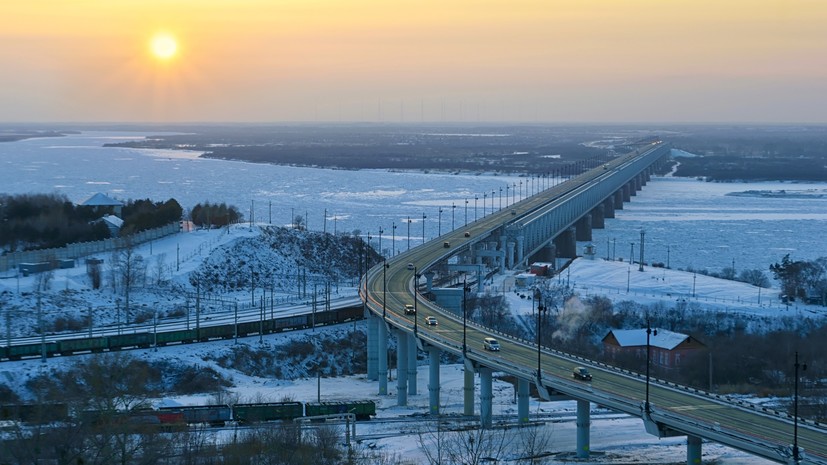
(101, 200)
(113, 220)
(664, 338)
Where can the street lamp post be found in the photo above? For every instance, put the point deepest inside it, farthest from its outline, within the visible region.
(393, 239)
(453, 209)
(384, 287)
(476, 197)
(466, 212)
(492, 200)
(649, 331)
(484, 200)
(465, 291)
(507, 187)
(409, 233)
(411, 266)
(501, 198)
(632, 254)
(539, 296)
(423, 227)
(439, 223)
(796, 451)
(380, 241)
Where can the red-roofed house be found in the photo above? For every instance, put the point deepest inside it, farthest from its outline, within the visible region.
(667, 349)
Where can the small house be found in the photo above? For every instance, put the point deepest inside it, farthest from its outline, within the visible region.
(667, 349)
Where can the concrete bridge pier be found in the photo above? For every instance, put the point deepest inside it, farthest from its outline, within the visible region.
(609, 208)
(522, 400)
(373, 356)
(583, 423)
(627, 194)
(618, 199)
(412, 352)
(433, 379)
(520, 249)
(583, 228)
(468, 391)
(566, 243)
(401, 368)
(597, 217)
(382, 354)
(693, 450)
(486, 396)
(509, 254)
(548, 253)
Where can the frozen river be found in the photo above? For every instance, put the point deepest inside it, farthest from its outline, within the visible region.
(688, 223)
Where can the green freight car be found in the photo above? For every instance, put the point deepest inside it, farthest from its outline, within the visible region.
(363, 409)
(255, 413)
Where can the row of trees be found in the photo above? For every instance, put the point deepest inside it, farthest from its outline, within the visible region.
(32, 221)
(214, 215)
(140, 215)
(801, 279)
(38, 221)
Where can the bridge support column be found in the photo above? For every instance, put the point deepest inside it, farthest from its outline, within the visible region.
(509, 250)
(373, 355)
(627, 192)
(486, 416)
(609, 208)
(522, 400)
(693, 450)
(468, 392)
(597, 217)
(412, 351)
(401, 368)
(520, 249)
(548, 253)
(382, 353)
(503, 249)
(583, 423)
(618, 199)
(583, 228)
(566, 243)
(429, 280)
(433, 379)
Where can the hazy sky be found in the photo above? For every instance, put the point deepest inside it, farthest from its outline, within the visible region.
(414, 60)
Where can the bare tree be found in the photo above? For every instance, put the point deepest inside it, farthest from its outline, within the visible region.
(128, 270)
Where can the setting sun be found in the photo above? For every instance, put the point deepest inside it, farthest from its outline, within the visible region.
(163, 46)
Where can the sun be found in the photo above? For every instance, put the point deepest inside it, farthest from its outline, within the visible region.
(163, 46)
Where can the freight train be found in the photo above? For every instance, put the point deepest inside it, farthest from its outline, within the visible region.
(213, 415)
(146, 339)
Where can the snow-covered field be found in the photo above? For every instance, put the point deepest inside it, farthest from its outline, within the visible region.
(615, 439)
(702, 226)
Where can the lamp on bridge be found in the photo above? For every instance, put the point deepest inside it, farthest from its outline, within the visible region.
(385, 267)
(796, 450)
(465, 291)
(649, 331)
(412, 267)
(439, 223)
(539, 297)
(423, 227)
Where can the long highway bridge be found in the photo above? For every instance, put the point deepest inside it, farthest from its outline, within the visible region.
(403, 291)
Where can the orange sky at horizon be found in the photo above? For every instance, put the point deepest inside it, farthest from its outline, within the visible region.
(411, 61)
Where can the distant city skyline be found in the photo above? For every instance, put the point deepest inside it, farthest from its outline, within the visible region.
(566, 61)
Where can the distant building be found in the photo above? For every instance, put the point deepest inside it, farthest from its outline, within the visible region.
(113, 223)
(105, 204)
(668, 349)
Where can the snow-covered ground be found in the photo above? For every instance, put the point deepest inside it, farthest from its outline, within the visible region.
(615, 439)
(356, 200)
